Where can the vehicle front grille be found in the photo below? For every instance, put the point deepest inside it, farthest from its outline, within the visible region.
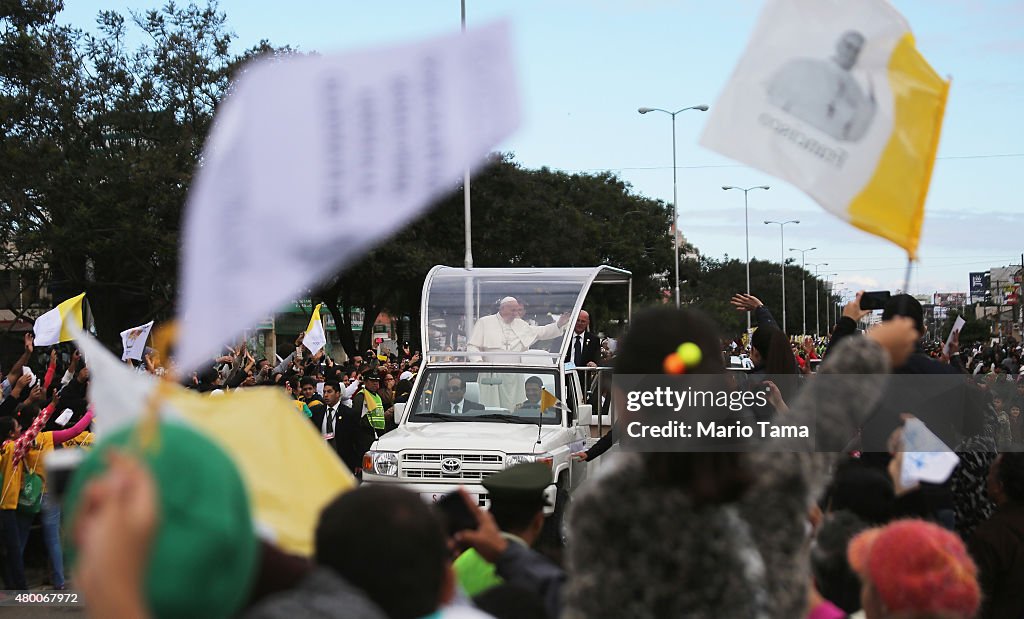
(423, 465)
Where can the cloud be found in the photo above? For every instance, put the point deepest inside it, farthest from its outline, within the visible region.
(867, 283)
(1004, 46)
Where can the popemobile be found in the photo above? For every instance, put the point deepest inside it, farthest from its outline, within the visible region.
(494, 389)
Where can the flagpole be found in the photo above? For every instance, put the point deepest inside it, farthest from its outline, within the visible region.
(906, 278)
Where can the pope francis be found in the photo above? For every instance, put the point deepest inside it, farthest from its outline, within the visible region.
(507, 331)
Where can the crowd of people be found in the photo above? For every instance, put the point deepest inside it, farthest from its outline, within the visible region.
(827, 531)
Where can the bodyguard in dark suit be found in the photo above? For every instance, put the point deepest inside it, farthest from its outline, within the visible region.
(584, 348)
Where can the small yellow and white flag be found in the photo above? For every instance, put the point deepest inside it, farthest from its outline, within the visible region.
(548, 400)
(288, 486)
(834, 97)
(53, 327)
(316, 337)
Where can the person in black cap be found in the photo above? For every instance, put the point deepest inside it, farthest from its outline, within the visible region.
(367, 421)
(505, 534)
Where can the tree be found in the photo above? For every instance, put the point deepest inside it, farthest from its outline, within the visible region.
(521, 217)
(713, 282)
(100, 141)
(974, 331)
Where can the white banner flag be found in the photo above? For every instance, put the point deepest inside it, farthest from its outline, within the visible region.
(833, 96)
(958, 324)
(133, 341)
(333, 154)
(926, 457)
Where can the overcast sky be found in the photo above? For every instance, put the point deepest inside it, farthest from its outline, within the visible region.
(587, 65)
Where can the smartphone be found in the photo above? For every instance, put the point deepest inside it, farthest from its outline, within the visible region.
(874, 300)
(455, 513)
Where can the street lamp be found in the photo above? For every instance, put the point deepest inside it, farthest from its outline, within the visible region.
(828, 291)
(803, 281)
(467, 209)
(675, 198)
(782, 251)
(842, 300)
(746, 231)
(817, 324)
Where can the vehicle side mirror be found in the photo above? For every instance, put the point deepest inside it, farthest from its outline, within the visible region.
(399, 411)
(585, 415)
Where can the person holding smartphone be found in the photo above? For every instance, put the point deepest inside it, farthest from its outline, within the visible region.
(500, 545)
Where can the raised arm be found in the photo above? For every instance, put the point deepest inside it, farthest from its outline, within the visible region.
(15, 371)
(67, 434)
(749, 303)
(51, 369)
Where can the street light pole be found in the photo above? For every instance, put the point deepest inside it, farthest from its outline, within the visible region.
(465, 189)
(817, 310)
(828, 291)
(782, 252)
(803, 281)
(675, 195)
(746, 231)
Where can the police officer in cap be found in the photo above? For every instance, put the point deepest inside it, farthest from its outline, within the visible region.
(367, 421)
(500, 548)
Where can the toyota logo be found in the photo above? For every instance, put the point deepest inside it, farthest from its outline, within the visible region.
(451, 466)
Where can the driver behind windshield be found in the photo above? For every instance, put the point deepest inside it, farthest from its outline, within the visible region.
(457, 402)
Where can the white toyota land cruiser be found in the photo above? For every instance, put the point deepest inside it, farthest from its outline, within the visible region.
(476, 407)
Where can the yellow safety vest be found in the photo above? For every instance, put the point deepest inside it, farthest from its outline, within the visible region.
(374, 410)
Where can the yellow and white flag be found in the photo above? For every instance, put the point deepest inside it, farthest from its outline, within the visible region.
(834, 97)
(53, 327)
(315, 337)
(133, 341)
(288, 486)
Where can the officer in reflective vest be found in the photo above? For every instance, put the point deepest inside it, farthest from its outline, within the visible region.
(373, 419)
(374, 410)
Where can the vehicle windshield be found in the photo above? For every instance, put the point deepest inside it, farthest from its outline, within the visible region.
(505, 311)
(500, 395)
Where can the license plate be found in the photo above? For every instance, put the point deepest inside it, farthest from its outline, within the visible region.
(434, 497)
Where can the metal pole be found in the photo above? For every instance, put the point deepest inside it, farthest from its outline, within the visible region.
(675, 205)
(803, 289)
(828, 293)
(746, 233)
(675, 192)
(829, 319)
(817, 330)
(782, 251)
(465, 188)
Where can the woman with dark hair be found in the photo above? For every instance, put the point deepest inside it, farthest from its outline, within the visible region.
(699, 534)
(403, 389)
(774, 362)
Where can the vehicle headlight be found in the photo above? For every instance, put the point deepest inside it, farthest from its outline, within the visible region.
(381, 463)
(514, 459)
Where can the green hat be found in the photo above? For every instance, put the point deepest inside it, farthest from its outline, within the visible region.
(203, 557)
(522, 483)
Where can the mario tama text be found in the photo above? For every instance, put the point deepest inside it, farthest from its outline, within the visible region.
(715, 429)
